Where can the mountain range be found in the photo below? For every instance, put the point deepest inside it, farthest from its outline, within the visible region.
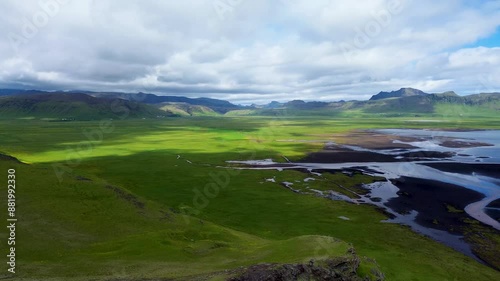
(73, 106)
(86, 105)
(405, 101)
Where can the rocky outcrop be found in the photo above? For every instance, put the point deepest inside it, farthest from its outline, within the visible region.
(341, 268)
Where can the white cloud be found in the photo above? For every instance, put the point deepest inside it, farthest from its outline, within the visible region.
(259, 50)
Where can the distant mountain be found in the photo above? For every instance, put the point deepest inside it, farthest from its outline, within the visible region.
(10, 92)
(220, 106)
(7, 92)
(274, 104)
(403, 92)
(300, 104)
(426, 103)
(449, 94)
(404, 102)
(185, 109)
(83, 105)
(73, 106)
(271, 105)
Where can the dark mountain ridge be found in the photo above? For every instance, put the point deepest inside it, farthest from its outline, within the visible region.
(220, 106)
(403, 92)
(73, 106)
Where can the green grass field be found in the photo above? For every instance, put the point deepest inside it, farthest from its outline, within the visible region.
(149, 198)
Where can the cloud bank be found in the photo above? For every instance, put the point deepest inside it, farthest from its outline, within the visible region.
(251, 51)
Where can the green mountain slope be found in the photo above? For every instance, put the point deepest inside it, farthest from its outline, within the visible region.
(403, 92)
(86, 228)
(185, 109)
(70, 106)
(220, 106)
(399, 103)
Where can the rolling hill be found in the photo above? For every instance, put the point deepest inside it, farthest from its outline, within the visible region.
(185, 109)
(73, 106)
(220, 106)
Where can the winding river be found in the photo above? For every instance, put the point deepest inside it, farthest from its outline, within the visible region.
(472, 162)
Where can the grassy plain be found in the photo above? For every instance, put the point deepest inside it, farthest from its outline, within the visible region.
(149, 198)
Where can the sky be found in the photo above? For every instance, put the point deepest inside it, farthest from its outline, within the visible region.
(251, 51)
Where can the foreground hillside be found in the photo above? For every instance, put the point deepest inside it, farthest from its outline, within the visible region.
(86, 228)
(148, 200)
